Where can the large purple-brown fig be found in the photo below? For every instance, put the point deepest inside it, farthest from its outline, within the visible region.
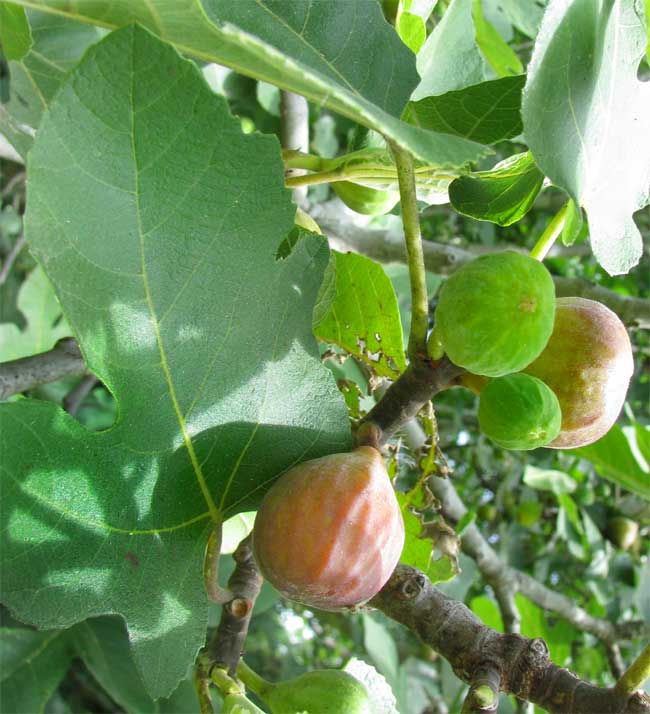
(329, 532)
(588, 364)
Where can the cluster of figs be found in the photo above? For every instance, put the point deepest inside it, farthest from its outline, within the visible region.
(550, 372)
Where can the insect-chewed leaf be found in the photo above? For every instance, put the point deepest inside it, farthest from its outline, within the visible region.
(158, 221)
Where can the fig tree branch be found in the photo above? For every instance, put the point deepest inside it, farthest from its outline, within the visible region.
(395, 411)
(387, 247)
(472, 648)
(19, 375)
(227, 645)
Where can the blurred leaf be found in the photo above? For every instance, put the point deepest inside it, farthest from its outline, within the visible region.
(450, 58)
(381, 647)
(584, 68)
(525, 15)
(548, 480)
(495, 49)
(487, 112)
(363, 317)
(642, 433)
(534, 623)
(15, 33)
(502, 195)
(32, 664)
(614, 459)
(485, 608)
(42, 312)
(642, 593)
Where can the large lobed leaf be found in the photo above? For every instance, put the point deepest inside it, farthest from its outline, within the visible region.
(338, 53)
(587, 118)
(158, 222)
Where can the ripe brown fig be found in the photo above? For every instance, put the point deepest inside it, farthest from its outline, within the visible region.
(588, 363)
(329, 532)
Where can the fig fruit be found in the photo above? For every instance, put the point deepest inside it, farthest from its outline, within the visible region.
(325, 691)
(588, 364)
(519, 412)
(363, 199)
(495, 314)
(622, 531)
(329, 532)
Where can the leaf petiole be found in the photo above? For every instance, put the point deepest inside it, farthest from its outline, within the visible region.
(550, 235)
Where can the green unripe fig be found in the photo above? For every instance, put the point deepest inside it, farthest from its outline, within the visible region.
(326, 691)
(495, 314)
(622, 531)
(519, 412)
(528, 513)
(329, 532)
(588, 363)
(486, 512)
(363, 199)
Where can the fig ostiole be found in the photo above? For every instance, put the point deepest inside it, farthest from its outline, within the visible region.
(588, 363)
(329, 532)
(519, 412)
(493, 326)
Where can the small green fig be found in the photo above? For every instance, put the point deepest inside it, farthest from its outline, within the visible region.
(495, 314)
(325, 691)
(622, 532)
(588, 363)
(519, 412)
(363, 199)
(329, 532)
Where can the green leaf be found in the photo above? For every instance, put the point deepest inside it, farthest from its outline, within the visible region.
(203, 337)
(488, 112)
(450, 58)
(548, 480)
(419, 550)
(534, 623)
(381, 647)
(525, 15)
(103, 644)
(614, 459)
(642, 434)
(485, 608)
(15, 34)
(363, 72)
(57, 46)
(412, 31)
(362, 315)
(495, 49)
(502, 195)
(44, 322)
(32, 664)
(586, 119)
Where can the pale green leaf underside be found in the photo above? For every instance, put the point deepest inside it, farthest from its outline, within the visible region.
(587, 118)
(157, 222)
(44, 323)
(363, 315)
(363, 71)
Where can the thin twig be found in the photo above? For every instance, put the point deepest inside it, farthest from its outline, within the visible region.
(16, 248)
(73, 400)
